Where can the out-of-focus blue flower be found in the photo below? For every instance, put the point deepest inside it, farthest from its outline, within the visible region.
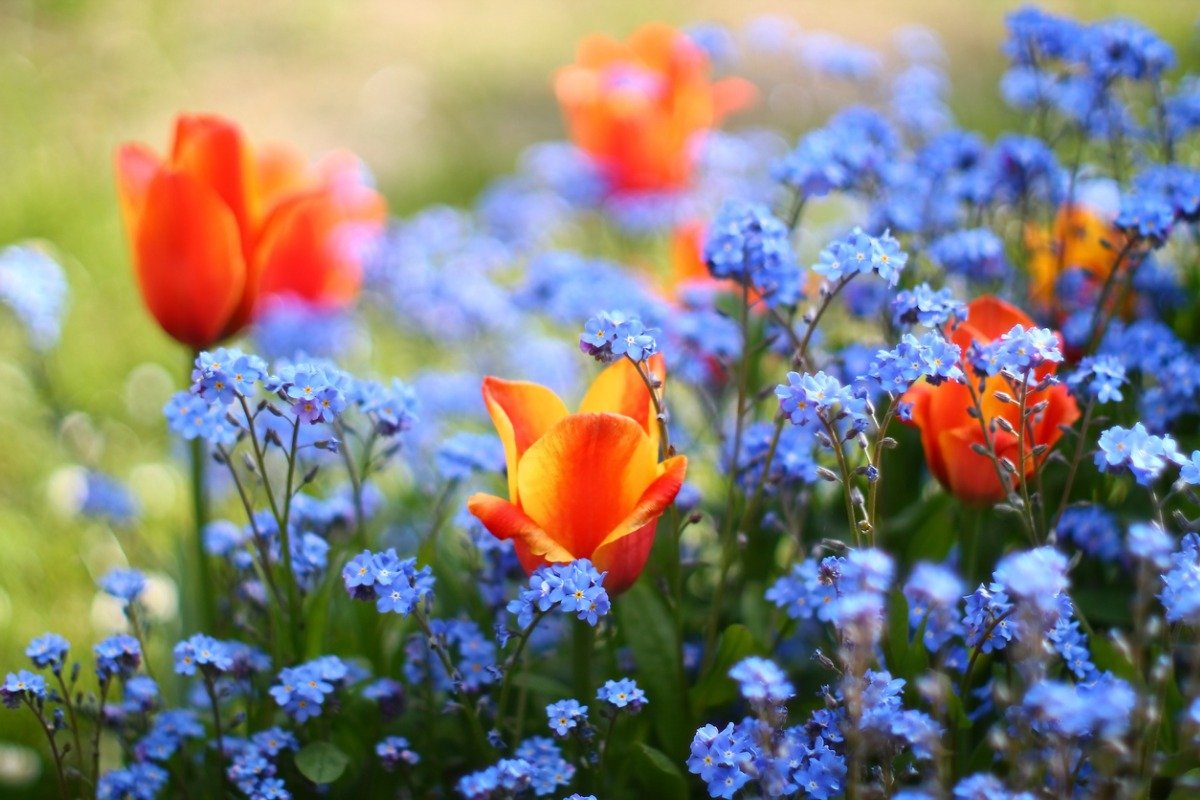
(836, 57)
(394, 751)
(125, 585)
(108, 499)
(1180, 594)
(761, 682)
(117, 656)
(1099, 377)
(292, 329)
(1022, 167)
(464, 454)
(48, 650)
(923, 305)
(933, 593)
(34, 287)
(137, 782)
(1136, 449)
(1093, 529)
(749, 245)
(975, 253)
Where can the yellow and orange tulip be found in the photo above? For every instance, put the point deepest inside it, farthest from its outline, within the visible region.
(1079, 239)
(582, 485)
(949, 434)
(636, 106)
(216, 228)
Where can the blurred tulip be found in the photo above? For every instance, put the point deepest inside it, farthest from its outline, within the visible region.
(1081, 239)
(949, 434)
(636, 107)
(584, 485)
(215, 228)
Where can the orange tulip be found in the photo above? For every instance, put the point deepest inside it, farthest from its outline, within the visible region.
(949, 434)
(216, 228)
(584, 485)
(635, 107)
(1080, 239)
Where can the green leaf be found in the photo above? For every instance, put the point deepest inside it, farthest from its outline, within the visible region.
(649, 629)
(715, 687)
(322, 762)
(657, 774)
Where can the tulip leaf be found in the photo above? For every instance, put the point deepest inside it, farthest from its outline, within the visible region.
(649, 629)
(715, 687)
(322, 762)
(658, 775)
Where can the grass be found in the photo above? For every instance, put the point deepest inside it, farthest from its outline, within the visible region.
(437, 97)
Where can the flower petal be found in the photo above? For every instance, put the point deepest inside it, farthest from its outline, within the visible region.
(971, 477)
(585, 476)
(506, 521)
(522, 413)
(136, 166)
(619, 389)
(988, 318)
(624, 550)
(188, 258)
(211, 149)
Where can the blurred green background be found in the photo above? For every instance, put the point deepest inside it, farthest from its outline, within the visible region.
(437, 97)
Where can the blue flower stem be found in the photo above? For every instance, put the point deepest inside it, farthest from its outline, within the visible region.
(1080, 448)
(728, 535)
(211, 690)
(839, 452)
(510, 666)
(482, 747)
(59, 775)
(583, 642)
(205, 602)
(96, 731)
(295, 612)
(69, 702)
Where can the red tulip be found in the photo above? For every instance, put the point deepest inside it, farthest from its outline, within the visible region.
(584, 485)
(215, 228)
(949, 434)
(636, 107)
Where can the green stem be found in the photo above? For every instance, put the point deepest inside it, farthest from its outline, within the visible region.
(69, 702)
(59, 775)
(295, 620)
(211, 690)
(583, 642)
(206, 606)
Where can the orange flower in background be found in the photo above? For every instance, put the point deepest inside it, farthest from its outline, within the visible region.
(1080, 239)
(635, 107)
(949, 433)
(583, 485)
(216, 228)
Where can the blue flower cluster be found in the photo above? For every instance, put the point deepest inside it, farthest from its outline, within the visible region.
(572, 588)
(395, 585)
(612, 335)
(749, 245)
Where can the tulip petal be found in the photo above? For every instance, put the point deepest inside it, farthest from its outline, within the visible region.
(189, 258)
(136, 166)
(988, 318)
(506, 521)
(585, 476)
(619, 389)
(302, 253)
(211, 149)
(732, 94)
(971, 477)
(522, 413)
(624, 550)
